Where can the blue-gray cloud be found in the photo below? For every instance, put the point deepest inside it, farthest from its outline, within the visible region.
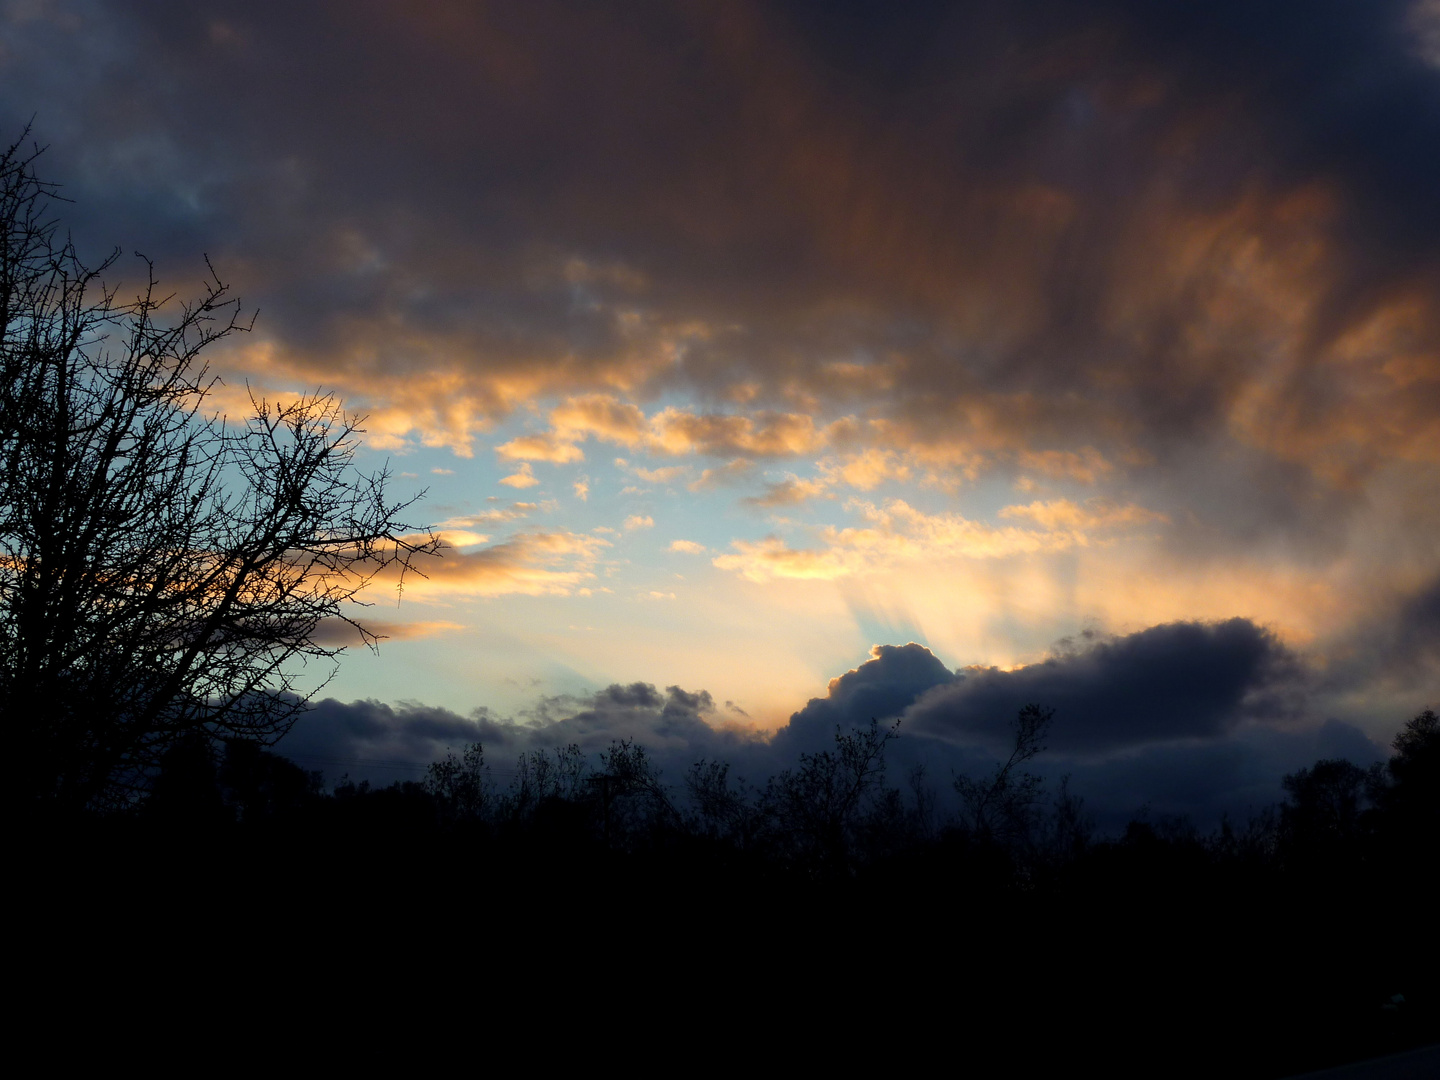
(1176, 719)
(1185, 680)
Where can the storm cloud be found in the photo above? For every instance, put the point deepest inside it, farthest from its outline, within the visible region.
(1179, 681)
(1065, 226)
(383, 743)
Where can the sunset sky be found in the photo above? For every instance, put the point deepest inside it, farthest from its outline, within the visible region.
(731, 340)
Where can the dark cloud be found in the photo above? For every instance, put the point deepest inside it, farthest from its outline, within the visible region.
(383, 743)
(881, 688)
(1177, 681)
(1065, 224)
(369, 740)
(1159, 722)
(1238, 774)
(1417, 629)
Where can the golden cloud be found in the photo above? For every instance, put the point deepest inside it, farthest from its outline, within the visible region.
(1062, 514)
(897, 532)
(523, 477)
(540, 448)
(729, 473)
(529, 564)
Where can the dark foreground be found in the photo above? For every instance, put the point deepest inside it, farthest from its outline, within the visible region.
(607, 921)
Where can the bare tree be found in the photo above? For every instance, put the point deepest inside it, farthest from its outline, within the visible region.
(1004, 806)
(163, 572)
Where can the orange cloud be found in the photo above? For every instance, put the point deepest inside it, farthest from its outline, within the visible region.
(530, 564)
(334, 633)
(1062, 514)
(524, 477)
(540, 448)
(729, 473)
(788, 492)
(897, 532)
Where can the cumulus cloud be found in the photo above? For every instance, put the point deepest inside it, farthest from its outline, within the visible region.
(688, 547)
(639, 521)
(868, 469)
(882, 688)
(523, 477)
(540, 448)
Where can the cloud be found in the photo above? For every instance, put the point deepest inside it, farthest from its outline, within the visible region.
(896, 532)
(867, 470)
(601, 416)
(1085, 465)
(1065, 242)
(524, 477)
(688, 547)
(788, 492)
(1131, 740)
(665, 475)
(681, 431)
(338, 632)
(729, 473)
(1061, 514)
(639, 521)
(459, 538)
(528, 564)
(582, 489)
(498, 514)
(383, 743)
(1176, 681)
(540, 448)
(881, 688)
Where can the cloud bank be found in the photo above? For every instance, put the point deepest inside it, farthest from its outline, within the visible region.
(1185, 718)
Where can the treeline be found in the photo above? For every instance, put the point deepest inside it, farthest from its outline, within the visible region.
(833, 817)
(1303, 937)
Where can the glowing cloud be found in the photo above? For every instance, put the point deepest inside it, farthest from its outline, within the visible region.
(524, 477)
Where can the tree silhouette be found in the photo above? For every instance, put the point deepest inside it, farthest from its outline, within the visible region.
(818, 812)
(1003, 807)
(163, 572)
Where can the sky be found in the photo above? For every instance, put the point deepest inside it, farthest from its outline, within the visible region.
(970, 352)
